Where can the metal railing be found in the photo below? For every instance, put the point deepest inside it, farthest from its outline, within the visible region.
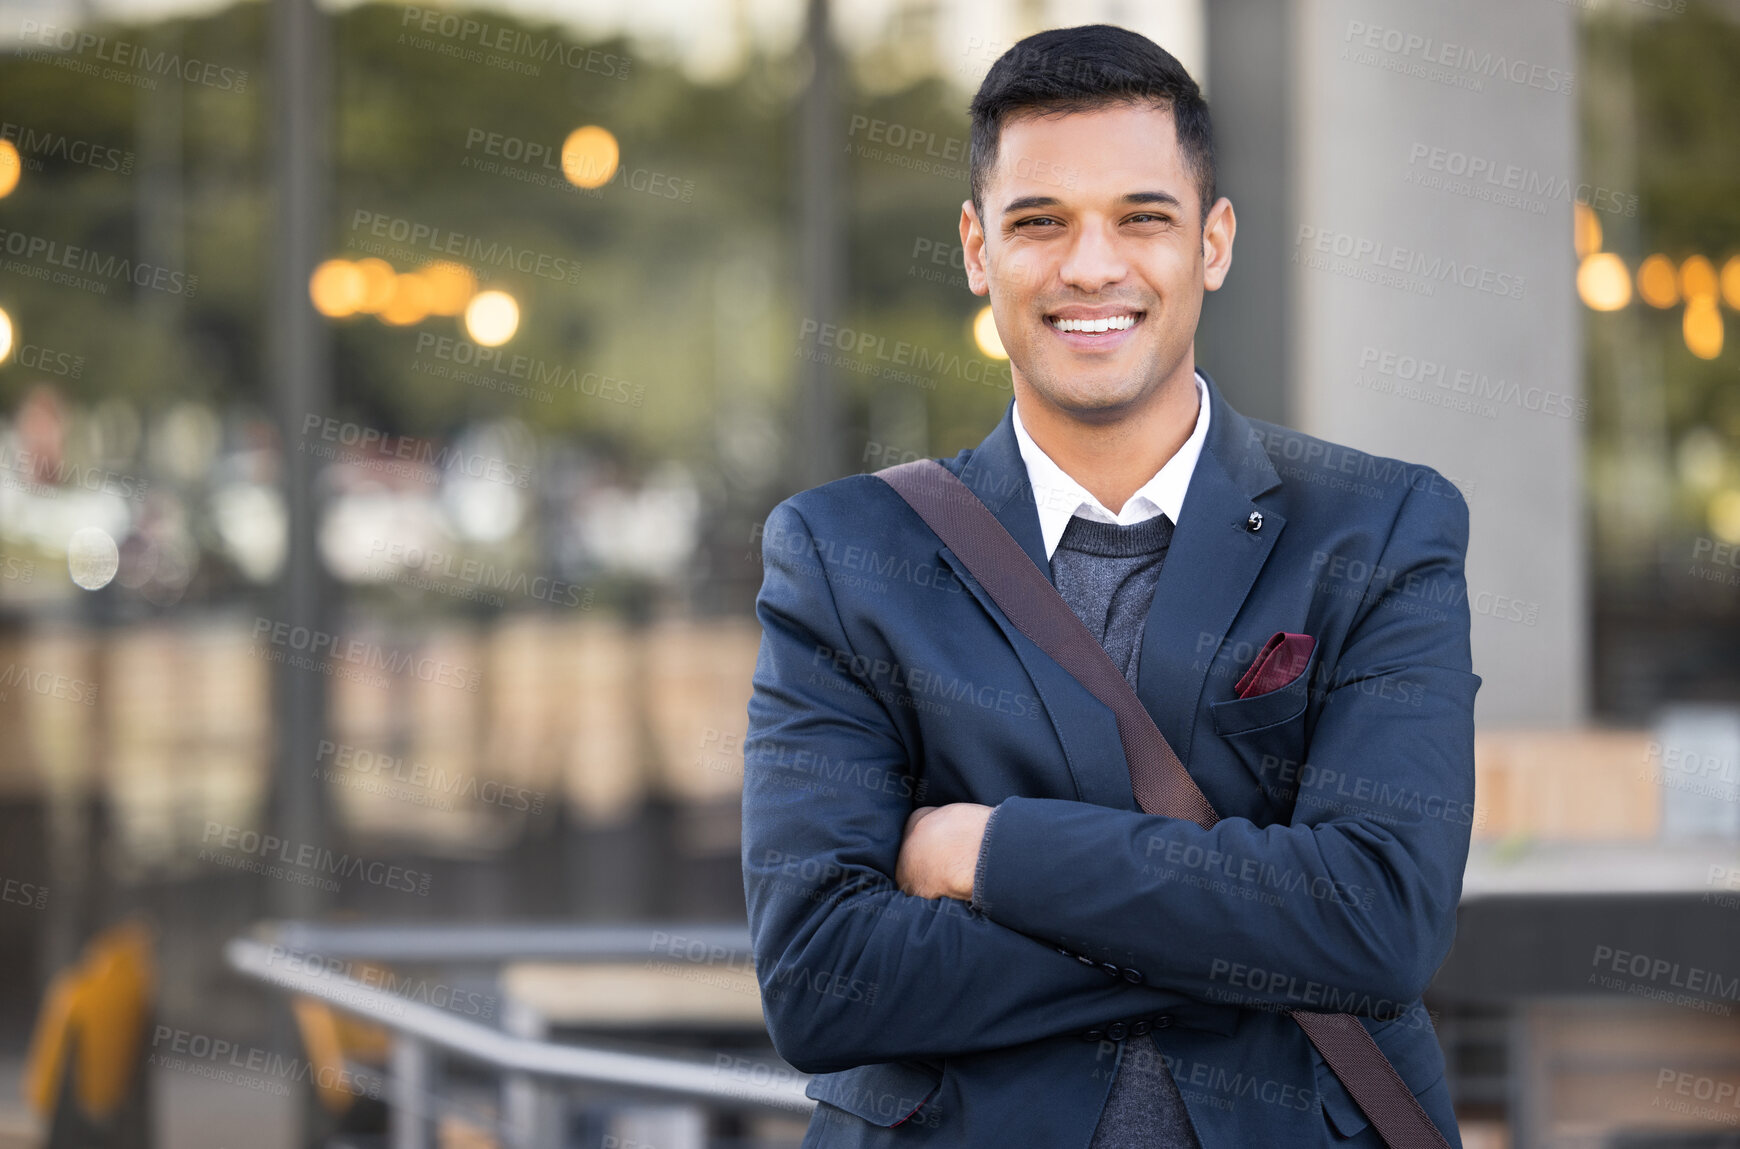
(495, 943)
(534, 1072)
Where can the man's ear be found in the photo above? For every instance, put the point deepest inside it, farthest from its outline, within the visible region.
(1217, 243)
(973, 250)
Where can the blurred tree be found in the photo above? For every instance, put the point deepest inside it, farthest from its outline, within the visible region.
(699, 211)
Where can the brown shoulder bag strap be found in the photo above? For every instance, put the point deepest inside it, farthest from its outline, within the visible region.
(1160, 782)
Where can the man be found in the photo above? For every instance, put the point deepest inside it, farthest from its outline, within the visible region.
(963, 921)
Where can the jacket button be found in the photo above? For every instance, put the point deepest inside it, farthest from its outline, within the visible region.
(1065, 953)
(1133, 976)
(1110, 968)
(1163, 1021)
(1093, 1035)
(1140, 1027)
(1117, 1031)
(1255, 522)
(1085, 960)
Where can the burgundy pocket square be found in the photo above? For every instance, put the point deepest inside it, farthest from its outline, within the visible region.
(1281, 660)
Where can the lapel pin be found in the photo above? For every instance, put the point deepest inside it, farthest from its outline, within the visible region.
(1255, 522)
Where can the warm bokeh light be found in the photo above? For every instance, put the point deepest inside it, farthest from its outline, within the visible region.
(1725, 516)
(1702, 325)
(492, 317)
(451, 286)
(1603, 282)
(985, 334)
(1731, 282)
(589, 156)
(11, 167)
(1586, 230)
(5, 335)
(1697, 278)
(1658, 281)
(410, 302)
(379, 280)
(336, 287)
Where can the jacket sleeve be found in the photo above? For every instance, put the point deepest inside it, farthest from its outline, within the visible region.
(853, 971)
(1350, 908)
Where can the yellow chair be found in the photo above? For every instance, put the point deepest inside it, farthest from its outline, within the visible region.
(94, 1012)
(333, 1041)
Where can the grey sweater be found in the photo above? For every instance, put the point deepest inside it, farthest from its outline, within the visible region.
(1106, 573)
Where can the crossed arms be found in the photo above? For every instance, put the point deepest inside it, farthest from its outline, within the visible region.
(1360, 918)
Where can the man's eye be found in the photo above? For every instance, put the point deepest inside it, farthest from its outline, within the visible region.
(1148, 217)
(1038, 219)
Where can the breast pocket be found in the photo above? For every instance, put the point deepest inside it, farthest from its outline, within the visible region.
(1266, 732)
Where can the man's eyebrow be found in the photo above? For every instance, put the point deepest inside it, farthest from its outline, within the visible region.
(1027, 201)
(1153, 197)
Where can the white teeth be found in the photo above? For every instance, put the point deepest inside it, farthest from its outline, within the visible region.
(1095, 326)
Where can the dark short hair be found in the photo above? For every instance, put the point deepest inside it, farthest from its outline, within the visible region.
(1084, 69)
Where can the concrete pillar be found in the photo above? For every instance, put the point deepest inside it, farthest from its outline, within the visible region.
(1433, 313)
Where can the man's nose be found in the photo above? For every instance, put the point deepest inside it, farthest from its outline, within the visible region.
(1094, 260)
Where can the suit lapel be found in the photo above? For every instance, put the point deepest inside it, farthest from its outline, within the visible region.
(1086, 728)
(1209, 570)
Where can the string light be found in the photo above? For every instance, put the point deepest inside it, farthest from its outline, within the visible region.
(1603, 282)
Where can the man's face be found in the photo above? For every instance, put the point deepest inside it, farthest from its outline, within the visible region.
(1095, 254)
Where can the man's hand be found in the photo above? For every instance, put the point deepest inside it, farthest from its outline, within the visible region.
(941, 850)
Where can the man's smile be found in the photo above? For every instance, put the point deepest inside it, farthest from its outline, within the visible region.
(1098, 329)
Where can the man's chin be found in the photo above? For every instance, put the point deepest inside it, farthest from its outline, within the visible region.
(1093, 396)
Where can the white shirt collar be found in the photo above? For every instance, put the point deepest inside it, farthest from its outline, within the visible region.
(1060, 497)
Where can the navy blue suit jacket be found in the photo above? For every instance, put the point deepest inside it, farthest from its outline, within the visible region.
(887, 679)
